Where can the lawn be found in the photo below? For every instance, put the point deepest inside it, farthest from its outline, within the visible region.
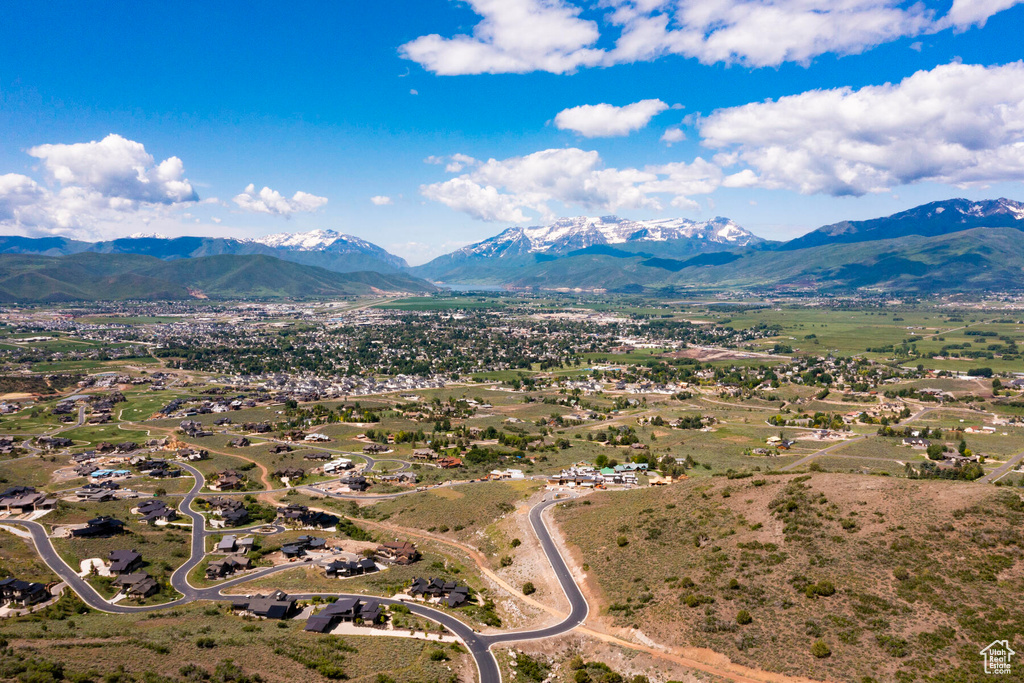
(87, 436)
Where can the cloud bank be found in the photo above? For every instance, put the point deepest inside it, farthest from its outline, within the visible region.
(504, 190)
(107, 181)
(521, 36)
(956, 124)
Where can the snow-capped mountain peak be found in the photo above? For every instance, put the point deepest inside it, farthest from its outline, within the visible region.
(314, 240)
(328, 241)
(147, 235)
(996, 207)
(569, 234)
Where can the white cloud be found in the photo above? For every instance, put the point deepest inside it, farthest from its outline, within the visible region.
(18, 195)
(273, 202)
(967, 13)
(479, 201)
(606, 120)
(759, 32)
(519, 36)
(515, 36)
(453, 163)
(458, 162)
(94, 187)
(381, 200)
(956, 124)
(116, 167)
(673, 135)
(680, 179)
(507, 190)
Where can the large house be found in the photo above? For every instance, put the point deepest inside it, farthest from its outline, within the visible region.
(228, 480)
(355, 483)
(301, 544)
(156, 512)
(350, 610)
(345, 568)
(124, 561)
(22, 593)
(398, 552)
(339, 465)
(277, 605)
(137, 585)
(301, 516)
(447, 593)
(449, 463)
(231, 511)
(290, 473)
(22, 499)
(98, 527)
(226, 566)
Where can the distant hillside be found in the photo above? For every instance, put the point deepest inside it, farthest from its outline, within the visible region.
(323, 248)
(90, 276)
(508, 253)
(928, 220)
(982, 259)
(895, 577)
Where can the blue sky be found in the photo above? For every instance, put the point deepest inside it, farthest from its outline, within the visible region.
(785, 120)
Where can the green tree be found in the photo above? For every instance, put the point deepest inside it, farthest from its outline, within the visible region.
(820, 649)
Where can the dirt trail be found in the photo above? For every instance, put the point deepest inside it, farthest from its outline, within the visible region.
(701, 659)
(478, 558)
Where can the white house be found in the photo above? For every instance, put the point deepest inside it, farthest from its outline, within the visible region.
(339, 465)
(317, 437)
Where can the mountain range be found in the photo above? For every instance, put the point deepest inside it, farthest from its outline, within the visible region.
(516, 249)
(91, 276)
(951, 245)
(324, 248)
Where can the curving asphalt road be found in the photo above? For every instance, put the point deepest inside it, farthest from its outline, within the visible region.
(578, 607)
(479, 645)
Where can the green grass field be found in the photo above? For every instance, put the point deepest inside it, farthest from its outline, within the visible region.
(87, 436)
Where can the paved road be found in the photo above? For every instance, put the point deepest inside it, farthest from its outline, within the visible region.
(1001, 471)
(478, 644)
(86, 592)
(808, 458)
(578, 607)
